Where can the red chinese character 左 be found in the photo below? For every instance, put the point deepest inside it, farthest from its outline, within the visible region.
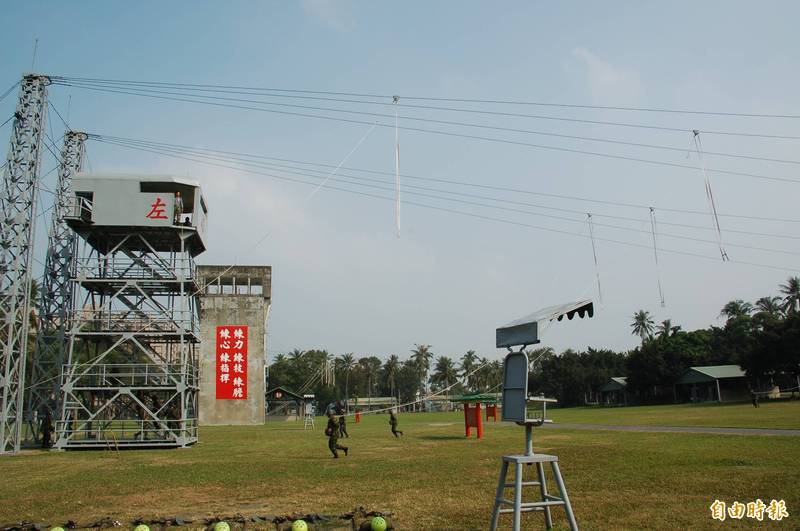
(158, 210)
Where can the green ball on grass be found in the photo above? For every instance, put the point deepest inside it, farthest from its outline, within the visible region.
(222, 526)
(378, 524)
(141, 527)
(299, 525)
(56, 529)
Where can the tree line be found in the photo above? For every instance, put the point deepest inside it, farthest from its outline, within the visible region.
(332, 378)
(762, 337)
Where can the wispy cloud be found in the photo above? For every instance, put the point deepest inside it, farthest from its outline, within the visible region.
(336, 14)
(609, 83)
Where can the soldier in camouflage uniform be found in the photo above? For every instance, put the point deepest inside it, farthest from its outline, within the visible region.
(332, 431)
(393, 423)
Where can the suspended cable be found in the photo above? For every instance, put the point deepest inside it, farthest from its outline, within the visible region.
(469, 214)
(442, 122)
(331, 174)
(8, 91)
(655, 255)
(464, 110)
(396, 168)
(461, 100)
(594, 254)
(710, 196)
(460, 135)
(344, 179)
(245, 156)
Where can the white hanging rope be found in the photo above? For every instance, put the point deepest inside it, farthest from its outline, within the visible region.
(709, 194)
(594, 253)
(396, 167)
(654, 231)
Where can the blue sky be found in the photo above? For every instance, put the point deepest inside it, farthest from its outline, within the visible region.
(342, 280)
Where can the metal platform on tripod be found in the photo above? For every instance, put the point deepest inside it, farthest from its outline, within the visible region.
(516, 402)
(516, 505)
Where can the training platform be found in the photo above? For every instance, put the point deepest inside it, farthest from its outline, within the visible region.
(517, 506)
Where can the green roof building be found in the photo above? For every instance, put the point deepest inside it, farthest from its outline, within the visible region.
(720, 383)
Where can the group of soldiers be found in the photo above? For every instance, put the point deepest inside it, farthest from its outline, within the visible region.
(337, 428)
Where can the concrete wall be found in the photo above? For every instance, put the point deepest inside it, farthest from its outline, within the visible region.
(232, 299)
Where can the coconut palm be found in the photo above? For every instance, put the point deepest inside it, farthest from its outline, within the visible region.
(791, 295)
(768, 305)
(642, 325)
(735, 309)
(665, 328)
(421, 356)
(467, 366)
(392, 368)
(346, 363)
(445, 372)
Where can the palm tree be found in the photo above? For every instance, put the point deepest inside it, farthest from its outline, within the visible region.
(346, 364)
(370, 366)
(421, 356)
(791, 295)
(665, 329)
(769, 305)
(444, 372)
(467, 366)
(484, 374)
(735, 309)
(392, 368)
(642, 325)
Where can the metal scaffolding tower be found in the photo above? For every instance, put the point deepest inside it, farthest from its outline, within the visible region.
(41, 402)
(131, 374)
(17, 223)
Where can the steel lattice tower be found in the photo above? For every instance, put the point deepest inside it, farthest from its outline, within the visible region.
(42, 397)
(130, 377)
(17, 221)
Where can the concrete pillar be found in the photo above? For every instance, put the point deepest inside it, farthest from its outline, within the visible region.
(234, 296)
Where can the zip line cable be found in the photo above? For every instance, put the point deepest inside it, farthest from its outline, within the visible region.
(124, 85)
(461, 135)
(397, 168)
(450, 123)
(594, 254)
(344, 178)
(8, 91)
(655, 255)
(461, 100)
(710, 196)
(245, 156)
(469, 214)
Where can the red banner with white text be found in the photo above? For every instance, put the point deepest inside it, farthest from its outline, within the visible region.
(231, 362)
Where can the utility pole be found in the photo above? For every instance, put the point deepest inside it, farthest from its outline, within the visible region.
(56, 294)
(17, 223)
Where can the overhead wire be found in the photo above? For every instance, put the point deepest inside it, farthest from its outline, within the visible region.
(461, 100)
(454, 123)
(459, 212)
(457, 135)
(245, 156)
(380, 102)
(343, 178)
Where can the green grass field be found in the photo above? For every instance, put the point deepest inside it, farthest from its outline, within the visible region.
(784, 414)
(433, 478)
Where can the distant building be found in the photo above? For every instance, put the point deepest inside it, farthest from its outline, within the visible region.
(716, 383)
(615, 392)
(283, 404)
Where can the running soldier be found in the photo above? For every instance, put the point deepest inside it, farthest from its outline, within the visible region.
(332, 431)
(393, 423)
(343, 427)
